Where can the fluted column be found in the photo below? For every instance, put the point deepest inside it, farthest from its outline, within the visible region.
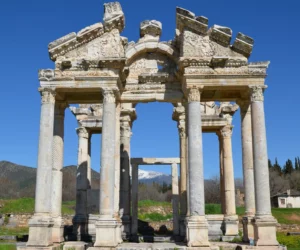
(197, 227)
(82, 184)
(247, 151)
(57, 175)
(40, 225)
(265, 224)
(134, 206)
(175, 199)
(125, 197)
(106, 226)
(231, 219)
(89, 166)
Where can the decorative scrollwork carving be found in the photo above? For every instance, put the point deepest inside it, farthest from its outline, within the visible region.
(226, 132)
(257, 93)
(82, 132)
(109, 96)
(48, 95)
(194, 95)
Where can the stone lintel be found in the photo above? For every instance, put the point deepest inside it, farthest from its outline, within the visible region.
(155, 161)
(153, 78)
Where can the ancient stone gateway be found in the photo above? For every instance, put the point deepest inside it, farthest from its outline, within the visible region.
(98, 66)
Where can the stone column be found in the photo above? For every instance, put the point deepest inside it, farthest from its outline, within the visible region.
(247, 151)
(183, 175)
(222, 188)
(175, 199)
(57, 175)
(231, 219)
(197, 226)
(117, 173)
(82, 184)
(125, 196)
(40, 225)
(89, 166)
(106, 226)
(265, 223)
(134, 206)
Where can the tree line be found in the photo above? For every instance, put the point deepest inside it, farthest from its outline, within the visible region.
(284, 177)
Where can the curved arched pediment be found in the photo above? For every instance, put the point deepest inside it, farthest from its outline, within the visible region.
(152, 61)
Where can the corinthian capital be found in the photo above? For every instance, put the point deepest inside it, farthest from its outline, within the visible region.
(257, 93)
(48, 95)
(226, 132)
(194, 94)
(82, 132)
(109, 96)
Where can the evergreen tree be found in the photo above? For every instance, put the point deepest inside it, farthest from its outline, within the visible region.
(297, 167)
(288, 167)
(277, 167)
(270, 164)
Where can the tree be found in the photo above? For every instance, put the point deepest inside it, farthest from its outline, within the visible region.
(270, 164)
(288, 168)
(277, 167)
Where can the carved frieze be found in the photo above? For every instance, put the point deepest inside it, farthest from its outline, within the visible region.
(258, 68)
(153, 78)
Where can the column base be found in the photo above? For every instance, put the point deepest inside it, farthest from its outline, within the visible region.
(119, 230)
(248, 228)
(55, 247)
(58, 230)
(40, 231)
(75, 245)
(265, 231)
(197, 232)
(107, 233)
(126, 227)
(182, 226)
(231, 226)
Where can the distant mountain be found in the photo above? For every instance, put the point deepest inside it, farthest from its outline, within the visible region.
(150, 177)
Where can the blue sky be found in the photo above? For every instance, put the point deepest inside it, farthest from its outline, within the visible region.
(28, 26)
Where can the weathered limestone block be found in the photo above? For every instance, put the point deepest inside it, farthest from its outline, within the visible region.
(75, 245)
(46, 74)
(150, 30)
(243, 44)
(220, 34)
(187, 20)
(62, 40)
(113, 17)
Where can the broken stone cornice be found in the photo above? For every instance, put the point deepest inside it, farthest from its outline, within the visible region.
(243, 44)
(220, 34)
(113, 17)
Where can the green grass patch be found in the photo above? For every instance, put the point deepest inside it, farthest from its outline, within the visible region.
(150, 203)
(154, 217)
(291, 241)
(26, 206)
(8, 247)
(18, 231)
(287, 215)
(19, 206)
